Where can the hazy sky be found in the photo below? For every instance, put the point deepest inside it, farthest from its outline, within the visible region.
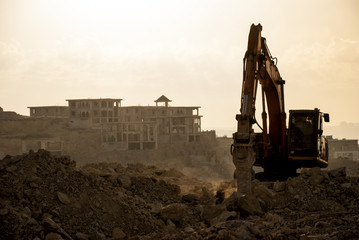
(189, 50)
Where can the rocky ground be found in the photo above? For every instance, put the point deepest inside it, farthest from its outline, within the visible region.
(47, 197)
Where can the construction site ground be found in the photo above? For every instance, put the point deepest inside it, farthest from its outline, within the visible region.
(48, 197)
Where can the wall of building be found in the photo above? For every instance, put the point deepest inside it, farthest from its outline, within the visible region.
(343, 148)
(53, 145)
(92, 113)
(151, 127)
(132, 127)
(49, 111)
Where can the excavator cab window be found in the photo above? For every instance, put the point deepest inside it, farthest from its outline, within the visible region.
(302, 134)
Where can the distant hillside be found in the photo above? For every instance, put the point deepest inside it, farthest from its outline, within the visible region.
(8, 115)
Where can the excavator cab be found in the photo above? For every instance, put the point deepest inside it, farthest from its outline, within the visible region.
(306, 145)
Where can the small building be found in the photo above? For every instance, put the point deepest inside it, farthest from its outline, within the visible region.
(49, 111)
(92, 113)
(343, 148)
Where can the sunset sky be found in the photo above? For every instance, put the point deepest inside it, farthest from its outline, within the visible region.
(189, 50)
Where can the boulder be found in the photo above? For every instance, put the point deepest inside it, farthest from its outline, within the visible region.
(117, 233)
(211, 211)
(53, 236)
(174, 212)
(247, 205)
(338, 172)
(224, 216)
(124, 180)
(264, 195)
(279, 186)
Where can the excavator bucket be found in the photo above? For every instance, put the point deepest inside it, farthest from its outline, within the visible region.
(244, 158)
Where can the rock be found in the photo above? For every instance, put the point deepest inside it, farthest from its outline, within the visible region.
(279, 186)
(188, 230)
(207, 196)
(321, 224)
(91, 171)
(264, 195)
(224, 216)
(124, 180)
(249, 205)
(174, 212)
(97, 236)
(51, 227)
(53, 236)
(170, 225)
(63, 198)
(346, 185)
(339, 172)
(271, 220)
(32, 221)
(190, 198)
(117, 233)
(316, 179)
(316, 176)
(33, 180)
(11, 169)
(231, 202)
(212, 211)
(27, 211)
(155, 208)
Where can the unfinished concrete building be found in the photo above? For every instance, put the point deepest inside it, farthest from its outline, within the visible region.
(92, 113)
(131, 127)
(150, 127)
(49, 111)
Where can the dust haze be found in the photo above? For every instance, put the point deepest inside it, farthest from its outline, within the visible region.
(116, 119)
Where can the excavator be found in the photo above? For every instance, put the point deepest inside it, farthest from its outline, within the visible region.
(278, 149)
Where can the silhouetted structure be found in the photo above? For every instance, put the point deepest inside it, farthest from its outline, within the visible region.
(49, 111)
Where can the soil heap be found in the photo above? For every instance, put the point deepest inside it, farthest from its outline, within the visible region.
(47, 197)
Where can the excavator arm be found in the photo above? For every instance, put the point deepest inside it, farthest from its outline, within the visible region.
(258, 66)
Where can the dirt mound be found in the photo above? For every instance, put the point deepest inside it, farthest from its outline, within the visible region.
(46, 197)
(37, 186)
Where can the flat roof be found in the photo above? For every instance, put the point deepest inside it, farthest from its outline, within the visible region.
(49, 107)
(96, 99)
(160, 107)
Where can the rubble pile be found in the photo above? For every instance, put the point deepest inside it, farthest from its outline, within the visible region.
(47, 197)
